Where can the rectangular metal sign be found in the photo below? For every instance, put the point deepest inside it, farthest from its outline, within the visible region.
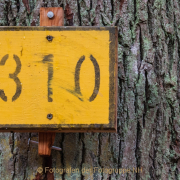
(61, 79)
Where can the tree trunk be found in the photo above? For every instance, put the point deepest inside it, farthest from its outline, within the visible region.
(148, 138)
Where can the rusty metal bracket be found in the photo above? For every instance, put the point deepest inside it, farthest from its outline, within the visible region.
(52, 147)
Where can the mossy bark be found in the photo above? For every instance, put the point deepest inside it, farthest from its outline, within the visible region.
(148, 135)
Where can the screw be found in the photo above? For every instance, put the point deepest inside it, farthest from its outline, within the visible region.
(49, 38)
(49, 116)
(50, 14)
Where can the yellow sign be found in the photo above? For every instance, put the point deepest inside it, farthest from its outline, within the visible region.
(58, 78)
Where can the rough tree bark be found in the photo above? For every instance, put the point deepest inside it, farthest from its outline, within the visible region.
(148, 96)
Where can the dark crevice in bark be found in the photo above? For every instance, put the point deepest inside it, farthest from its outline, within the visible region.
(127, 176)
(81, 139)
(120, 38)
(146, 101)
(178, 61)
(92, 23)
(44, 3)
(176, 174)
(114, 159)
(7, 12)
(18, 5)
(120, 105)
(150, 19)
(135, 17)
(120, 155)
(99, 152)
(112, 9)
(103, 21)
(27, 156)
(62, 155)
(172, 129)
(12, 147)
(174, 24)
(47, 165)
(178, 3)
(170, 53)
(79, 13)
(159, 134)
(32, 5)
(131, 29)
(138, 150)
(136, 100)
(156, 65)
(117, 22)
(127, 117)
(62, 5)
(89, 11)
(11, 19)
(90, 5)
(151, 172)
(14, 156)
(120, 89)
(124, 63)
(14, 159)
(169, 37)
(104, 6)
(156, 144)
(168, 9)
(178, 75)
(121, 148)
(141, 45)
(140, 58)
(14, 164)
(29, 19)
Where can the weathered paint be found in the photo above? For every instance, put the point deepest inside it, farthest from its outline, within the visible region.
(40, 77)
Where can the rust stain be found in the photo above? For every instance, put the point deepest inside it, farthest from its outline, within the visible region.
(38, 177)
(121, 5)
(48, 163)
(69, 15)
(178, 165)
(26, 4)
(33, 23)
(168, 134)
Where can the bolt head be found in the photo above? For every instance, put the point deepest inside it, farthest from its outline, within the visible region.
(49, 38)
(50, 14)
(49, 116)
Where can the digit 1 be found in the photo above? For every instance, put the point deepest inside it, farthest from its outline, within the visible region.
(49, 60)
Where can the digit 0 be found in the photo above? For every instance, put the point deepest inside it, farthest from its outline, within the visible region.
(97, 77)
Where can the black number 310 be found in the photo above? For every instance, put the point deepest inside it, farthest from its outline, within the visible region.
(49, 60)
